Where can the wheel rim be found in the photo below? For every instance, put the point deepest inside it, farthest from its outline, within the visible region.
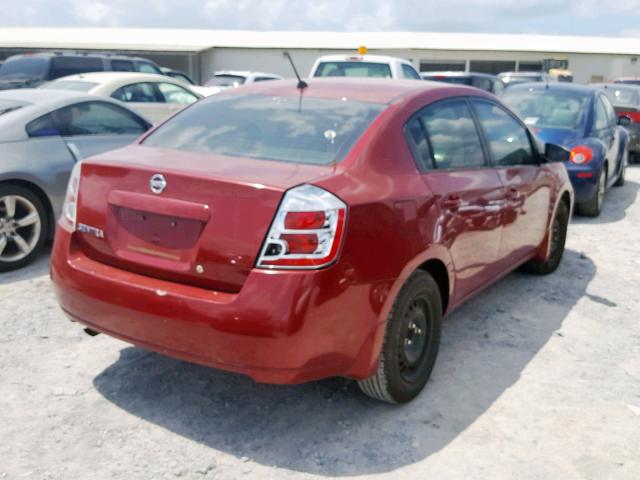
(20, 227)
(415, 340)
(602, 185)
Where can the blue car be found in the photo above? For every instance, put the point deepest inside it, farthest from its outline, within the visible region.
(581, 119)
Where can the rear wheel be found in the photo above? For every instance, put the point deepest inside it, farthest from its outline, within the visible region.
(593, 206)
(558, 239)
(411, 342)
(623, 170)
(23, 226)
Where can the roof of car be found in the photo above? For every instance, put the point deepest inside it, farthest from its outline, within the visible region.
(458, 74)
(38, 96)
(107, 77)
(557, 86)
(363, 58)
(375, 90)
(245, 73)
(74, 54)
(519, 74)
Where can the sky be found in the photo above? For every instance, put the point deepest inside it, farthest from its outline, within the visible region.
(557, 17)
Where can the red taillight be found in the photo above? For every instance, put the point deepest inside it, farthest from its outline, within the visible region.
(307, 230)
(70, 205)
(304, 220)
(634, 116)
(581, 155)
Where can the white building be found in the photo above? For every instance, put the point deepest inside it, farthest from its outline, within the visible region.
(201, 52)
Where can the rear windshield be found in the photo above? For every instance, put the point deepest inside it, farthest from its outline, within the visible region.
(289, 129)
(353, 69)
(622, 96)
(73, 85)
(226, 81)
(548, 108)
(24, 68)
(443, 78)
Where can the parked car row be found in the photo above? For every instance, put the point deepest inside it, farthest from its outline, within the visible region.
(239, 233)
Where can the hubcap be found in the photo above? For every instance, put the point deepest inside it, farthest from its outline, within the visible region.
(20, 227)
(415, 341)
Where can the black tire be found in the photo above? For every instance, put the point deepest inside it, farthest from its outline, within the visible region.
(37, 237)
(623, 170)
(593, 206)
(558, 238)
(405, 366)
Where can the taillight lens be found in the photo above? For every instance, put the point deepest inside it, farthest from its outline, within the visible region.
(307, 230)
(581, 155)
(634, 116)
(70, 205)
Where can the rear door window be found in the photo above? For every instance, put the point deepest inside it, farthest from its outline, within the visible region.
(507, 139)
(137, 93)
(122, 66)
(289, 129)
(97, 118)
(600, 121)
(44, 126)
(452, 135)
(175, 94)
(610, 111)
(146, 67)
(62, 66)
(482, 83)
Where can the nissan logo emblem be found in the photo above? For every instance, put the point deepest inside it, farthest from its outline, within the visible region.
(157, 183)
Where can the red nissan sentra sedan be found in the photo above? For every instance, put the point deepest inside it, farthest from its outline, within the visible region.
(294, 234)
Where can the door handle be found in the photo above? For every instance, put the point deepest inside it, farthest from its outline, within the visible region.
(452, 202)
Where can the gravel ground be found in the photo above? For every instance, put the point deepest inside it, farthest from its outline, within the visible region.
(538, 378)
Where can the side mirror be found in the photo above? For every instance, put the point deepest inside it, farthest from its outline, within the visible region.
(556, 153)
(624, 121)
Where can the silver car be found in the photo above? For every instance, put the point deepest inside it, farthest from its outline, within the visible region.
(43, 133)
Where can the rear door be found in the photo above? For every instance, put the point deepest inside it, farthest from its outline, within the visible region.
(606, 132)
(525, 211)
(469, 193)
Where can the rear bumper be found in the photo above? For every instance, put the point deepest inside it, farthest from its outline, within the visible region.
(282, 327)
(584, 180)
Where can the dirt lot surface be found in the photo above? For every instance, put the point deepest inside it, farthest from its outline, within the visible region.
(538, 378)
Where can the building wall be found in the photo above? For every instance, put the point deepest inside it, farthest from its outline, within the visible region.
(585, 67)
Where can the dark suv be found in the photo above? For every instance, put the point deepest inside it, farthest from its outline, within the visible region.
(31, 70)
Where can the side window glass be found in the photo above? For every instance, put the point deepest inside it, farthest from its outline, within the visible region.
(137, 92)
(481, 83)
(452, 135)
(122, 66)
(611, 113)
(498, 87)
(176, 94)
(508, 140)
(145, 67)
(600, 120)
(95, 118)
(44, 126)
(410, 72)
(418, 144)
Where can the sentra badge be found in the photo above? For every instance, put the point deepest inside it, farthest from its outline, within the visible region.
(96, 232)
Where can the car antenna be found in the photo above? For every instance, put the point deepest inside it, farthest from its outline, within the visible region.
(301, 83)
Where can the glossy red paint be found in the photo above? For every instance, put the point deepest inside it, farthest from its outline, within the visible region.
(288, 326)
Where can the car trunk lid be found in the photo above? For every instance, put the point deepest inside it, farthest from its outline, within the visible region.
(205, 226)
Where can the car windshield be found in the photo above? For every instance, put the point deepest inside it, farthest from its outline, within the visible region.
(621, 96)
(24, 68)
(353, 69)
(548, 108)
(73, 85)
(289, 129)
(226, 81)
